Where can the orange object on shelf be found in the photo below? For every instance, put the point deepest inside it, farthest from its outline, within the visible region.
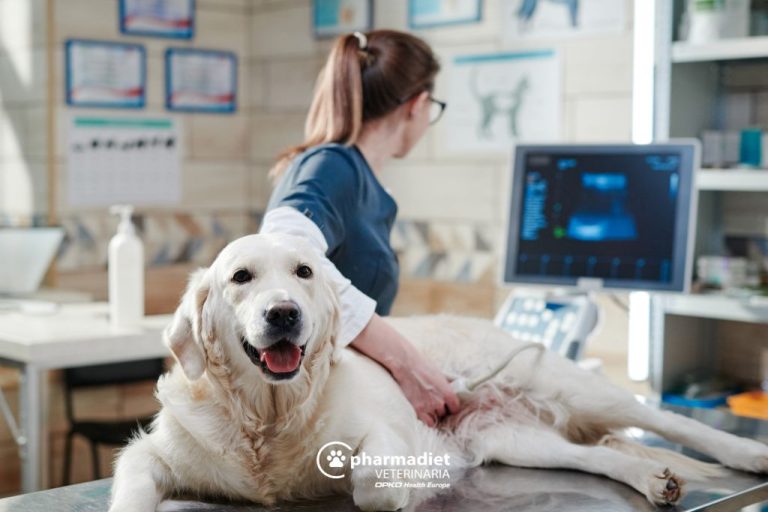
(753, 404)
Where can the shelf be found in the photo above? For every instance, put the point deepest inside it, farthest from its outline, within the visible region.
(726, 49)
(740, 180)
(719, 307)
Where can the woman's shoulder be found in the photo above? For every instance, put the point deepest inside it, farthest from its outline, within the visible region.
(327, 151)
(332, 160)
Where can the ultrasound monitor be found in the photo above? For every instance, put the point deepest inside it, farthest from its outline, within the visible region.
(607, 216)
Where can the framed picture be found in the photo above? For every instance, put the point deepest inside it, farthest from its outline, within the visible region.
(159, 18)
(499, 99)
(335, 17)
(521, 19)
(104, 74)
(200, 80)
(438, 13)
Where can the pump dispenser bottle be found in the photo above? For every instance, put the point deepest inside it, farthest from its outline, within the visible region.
(126, 272)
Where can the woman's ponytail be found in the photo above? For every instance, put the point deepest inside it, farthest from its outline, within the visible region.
(365, 77)
(336, 114)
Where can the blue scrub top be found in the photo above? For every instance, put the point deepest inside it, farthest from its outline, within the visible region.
(334, 186)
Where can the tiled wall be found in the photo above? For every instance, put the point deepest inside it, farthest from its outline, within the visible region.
(226, 157)
(218, 192)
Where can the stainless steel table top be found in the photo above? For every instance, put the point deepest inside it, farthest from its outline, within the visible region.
(492, 488)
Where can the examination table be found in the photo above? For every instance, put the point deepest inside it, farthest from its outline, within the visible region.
(491, 488)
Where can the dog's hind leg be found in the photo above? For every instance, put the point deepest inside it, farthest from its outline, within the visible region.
(733, 451)
(140, 478)
(542, 448)
(594, 405)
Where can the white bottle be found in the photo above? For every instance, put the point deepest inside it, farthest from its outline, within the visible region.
(126, 272)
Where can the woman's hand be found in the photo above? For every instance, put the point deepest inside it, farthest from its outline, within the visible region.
(427, 389)
(423, 384)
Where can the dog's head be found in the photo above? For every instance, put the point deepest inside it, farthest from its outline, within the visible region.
(263, 306)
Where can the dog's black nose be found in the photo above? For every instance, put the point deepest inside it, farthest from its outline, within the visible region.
(284, 314)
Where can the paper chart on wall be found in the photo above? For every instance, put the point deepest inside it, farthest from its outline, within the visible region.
(123, 160)
(561, 18)
(498, 99)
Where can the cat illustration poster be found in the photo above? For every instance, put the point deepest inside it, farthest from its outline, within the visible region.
(561, 18)
(498, 99)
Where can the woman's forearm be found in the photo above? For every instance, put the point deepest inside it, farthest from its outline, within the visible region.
(382, 343)
(422, 382)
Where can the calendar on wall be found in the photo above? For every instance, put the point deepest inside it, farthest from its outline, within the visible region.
(133, 160)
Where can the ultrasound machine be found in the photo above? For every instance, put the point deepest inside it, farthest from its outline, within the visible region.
(585, 218)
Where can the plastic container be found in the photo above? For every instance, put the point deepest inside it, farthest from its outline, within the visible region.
(751, 148)
(126, 272)
(705, 21)
(753, 404)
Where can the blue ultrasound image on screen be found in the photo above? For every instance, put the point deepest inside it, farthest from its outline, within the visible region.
(602, 216)
(602, 213)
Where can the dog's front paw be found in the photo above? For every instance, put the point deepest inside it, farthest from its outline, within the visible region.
(371, 493)
(664, 488)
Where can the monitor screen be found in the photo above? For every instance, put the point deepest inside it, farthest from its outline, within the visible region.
(615, 216)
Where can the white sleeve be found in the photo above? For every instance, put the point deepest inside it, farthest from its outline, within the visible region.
(357, 308)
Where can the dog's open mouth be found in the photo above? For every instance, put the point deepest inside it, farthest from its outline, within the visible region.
(281, 360)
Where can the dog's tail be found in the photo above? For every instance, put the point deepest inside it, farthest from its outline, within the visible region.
(682, 465)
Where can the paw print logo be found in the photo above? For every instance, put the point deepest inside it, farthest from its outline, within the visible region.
(332, 458)
(336, 459)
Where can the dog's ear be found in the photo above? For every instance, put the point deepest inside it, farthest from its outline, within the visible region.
(333, 314)
(182, 336)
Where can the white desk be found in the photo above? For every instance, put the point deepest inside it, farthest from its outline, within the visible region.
(75, 335)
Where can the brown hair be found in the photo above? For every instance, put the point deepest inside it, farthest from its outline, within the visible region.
(358, 85)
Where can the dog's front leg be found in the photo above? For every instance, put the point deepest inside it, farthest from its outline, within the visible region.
(374, 488)
(140, 478)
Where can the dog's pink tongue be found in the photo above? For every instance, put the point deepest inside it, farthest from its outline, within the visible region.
(282, 357)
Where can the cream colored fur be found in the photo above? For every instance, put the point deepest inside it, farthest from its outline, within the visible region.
(225, 430)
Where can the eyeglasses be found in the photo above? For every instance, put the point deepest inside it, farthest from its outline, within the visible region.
(436, 109)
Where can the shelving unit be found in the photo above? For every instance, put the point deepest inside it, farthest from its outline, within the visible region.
(687, 332)
(684, 333)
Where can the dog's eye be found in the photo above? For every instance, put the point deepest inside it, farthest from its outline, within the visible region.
(242, 276)
(304, 272)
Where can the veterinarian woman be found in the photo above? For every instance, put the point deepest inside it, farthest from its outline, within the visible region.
(372, 102)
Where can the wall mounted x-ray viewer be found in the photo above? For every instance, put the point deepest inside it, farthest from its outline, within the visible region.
(608, 216)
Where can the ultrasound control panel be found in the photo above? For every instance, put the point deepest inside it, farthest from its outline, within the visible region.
(562, 324)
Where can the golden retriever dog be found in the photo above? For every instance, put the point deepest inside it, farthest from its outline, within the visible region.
(261, 388)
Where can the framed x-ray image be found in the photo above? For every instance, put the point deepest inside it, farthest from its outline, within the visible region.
(439, 13)
(158, 18)
(331, 18)
(200, 80)
(104, 74)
